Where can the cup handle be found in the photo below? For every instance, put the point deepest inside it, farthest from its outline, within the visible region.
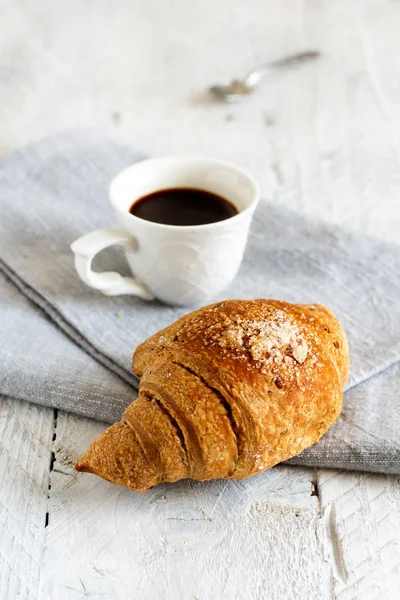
(109, 283)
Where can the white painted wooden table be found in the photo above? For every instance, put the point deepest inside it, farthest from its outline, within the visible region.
(323, 139)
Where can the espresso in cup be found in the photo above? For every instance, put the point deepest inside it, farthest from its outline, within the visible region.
(183, 206)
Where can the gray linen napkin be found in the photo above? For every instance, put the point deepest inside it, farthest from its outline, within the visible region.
(38, 362)
(56, 190)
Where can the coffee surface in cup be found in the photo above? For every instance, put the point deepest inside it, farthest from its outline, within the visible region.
(183, 206)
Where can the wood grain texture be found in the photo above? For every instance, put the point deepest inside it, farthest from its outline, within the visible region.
(362, 542)
(253, 539)
(25, 451)
(323, 139)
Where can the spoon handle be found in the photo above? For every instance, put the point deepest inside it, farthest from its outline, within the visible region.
(287, 61)
(293, 59)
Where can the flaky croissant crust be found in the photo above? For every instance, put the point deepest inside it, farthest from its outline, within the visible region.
(226, 392)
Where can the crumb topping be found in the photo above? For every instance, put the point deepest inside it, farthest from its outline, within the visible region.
(270, 339)
(276, 340)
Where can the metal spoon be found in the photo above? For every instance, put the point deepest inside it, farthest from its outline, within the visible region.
(239, 88)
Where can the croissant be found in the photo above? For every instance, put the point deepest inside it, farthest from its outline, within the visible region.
(226, 391)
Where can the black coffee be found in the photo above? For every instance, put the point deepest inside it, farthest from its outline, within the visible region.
(183, 206)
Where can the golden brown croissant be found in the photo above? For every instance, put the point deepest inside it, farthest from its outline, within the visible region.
(226, 391)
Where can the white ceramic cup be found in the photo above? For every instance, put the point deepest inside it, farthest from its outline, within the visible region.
(176, 264)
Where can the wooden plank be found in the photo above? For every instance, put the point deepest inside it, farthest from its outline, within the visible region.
(250, 539)
(361, 513)
(175, 537)
(25, 450)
